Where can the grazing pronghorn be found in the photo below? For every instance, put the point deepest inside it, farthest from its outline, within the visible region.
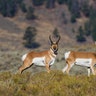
(87, 59)
(44, 58)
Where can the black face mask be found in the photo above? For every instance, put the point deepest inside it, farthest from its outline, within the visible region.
(55, 52)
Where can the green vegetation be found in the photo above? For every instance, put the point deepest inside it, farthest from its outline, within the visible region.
(50, 3)
(55, 32)
(61, 1)
(29, 37)
(23, 7)
(8, 8)
(30, 13)
(80, 37)
(43, 84)
(38, 2)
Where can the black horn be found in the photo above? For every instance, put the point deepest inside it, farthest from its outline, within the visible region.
(50, 39)
(58, 39)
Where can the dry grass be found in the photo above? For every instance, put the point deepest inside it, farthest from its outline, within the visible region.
(35, 81)
(41, 84)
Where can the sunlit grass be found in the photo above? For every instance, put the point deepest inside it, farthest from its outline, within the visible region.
(46, 84)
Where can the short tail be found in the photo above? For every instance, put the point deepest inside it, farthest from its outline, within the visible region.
(66, 55)
(23, 57)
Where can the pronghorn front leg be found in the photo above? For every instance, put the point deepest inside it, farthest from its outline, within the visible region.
(93, 71)
(48, 67)
(70, 64)
(47, 61)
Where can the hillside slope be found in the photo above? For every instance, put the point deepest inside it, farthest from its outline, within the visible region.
(13, 29)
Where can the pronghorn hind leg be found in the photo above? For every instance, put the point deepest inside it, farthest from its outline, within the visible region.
(65, 68)
(93, 71)
(69, 67)
(25, 65)
(89, 71)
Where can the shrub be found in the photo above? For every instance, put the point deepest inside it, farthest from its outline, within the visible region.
(30, 14)
(55, 32)
(38, 2)
(23, 7)
(29, 36)
(73, 19)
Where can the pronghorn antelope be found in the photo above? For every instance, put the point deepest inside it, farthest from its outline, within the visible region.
(87, 59)
(44, 58)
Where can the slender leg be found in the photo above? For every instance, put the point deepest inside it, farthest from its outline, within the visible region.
(48, 67)
(69, 67)
(93, 72)
(47, 64)
(65, 68)
(26, 64)
(88, 71)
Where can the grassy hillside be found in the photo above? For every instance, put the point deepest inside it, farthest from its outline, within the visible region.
(54, 84)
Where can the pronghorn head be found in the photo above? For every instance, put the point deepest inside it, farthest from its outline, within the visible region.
(54, 45)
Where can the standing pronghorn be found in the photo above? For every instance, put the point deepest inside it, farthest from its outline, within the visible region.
(87, 59)
(44, 58)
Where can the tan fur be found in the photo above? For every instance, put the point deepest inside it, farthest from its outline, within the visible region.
(73, 55)
(48, 54)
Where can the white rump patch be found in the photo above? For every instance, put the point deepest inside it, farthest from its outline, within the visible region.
(23, 57)
(66, 55)
(83, 62)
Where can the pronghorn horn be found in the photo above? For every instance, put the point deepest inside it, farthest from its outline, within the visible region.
(58, 39)
(50, 39)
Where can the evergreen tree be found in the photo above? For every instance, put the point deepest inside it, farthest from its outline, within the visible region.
(30, 14)
(61, 1)
(73, 18)
(55, 32)
(74, 8)
(87, 28)
(29, 38)
(64, 18)
(80, 37)
(94, 33)
(38, 2)
(23, 7)
(92, 21)
(8, 8)
(85, 8)
(50, 3)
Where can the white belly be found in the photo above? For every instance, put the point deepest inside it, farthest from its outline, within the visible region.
(83, 62)
(40, 61)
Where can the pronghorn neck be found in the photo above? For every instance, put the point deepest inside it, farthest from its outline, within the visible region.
(51, 52)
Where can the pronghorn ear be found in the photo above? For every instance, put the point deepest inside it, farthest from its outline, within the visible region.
(58, 39)
(50, 39)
